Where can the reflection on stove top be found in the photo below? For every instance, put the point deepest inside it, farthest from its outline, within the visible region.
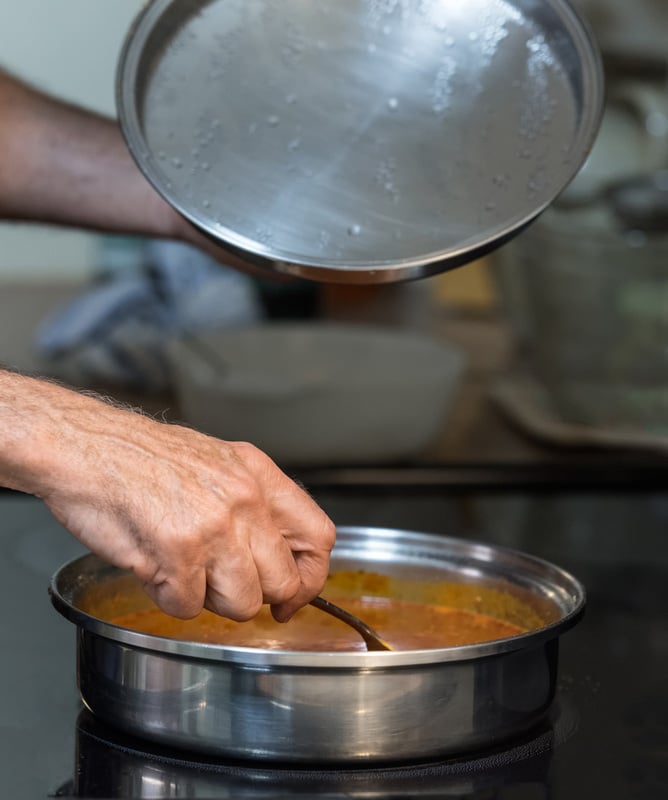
(110, 764)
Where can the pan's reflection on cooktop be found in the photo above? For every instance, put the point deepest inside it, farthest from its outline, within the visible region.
(109, 764)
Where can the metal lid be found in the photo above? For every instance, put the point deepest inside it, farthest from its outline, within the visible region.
(359, 141)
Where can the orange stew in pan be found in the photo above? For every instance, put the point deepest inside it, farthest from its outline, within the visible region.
(406, 624)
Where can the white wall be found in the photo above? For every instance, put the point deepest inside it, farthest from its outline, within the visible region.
(70, 48)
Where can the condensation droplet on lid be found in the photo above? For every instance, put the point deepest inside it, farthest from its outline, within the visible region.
(291, 98)
(387, 30)
(206, 166)
(252, 128)
(206, 204)
(273, 120)
(354, 230)
(371, 48)
(177, 163)
(393, 104)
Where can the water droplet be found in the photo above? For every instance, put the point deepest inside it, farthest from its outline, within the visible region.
(252, 128)
(206, 203)
(449, 41)
(177, 163)
(290, 99)
(206, 166)
(294, 144)
(393, 104)
(371, 49)
(387, 30)
(490, 206)
(354, 230)
(273, 120)
(161, 155)
(473, 36)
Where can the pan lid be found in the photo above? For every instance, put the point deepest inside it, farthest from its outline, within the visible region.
(359, 141)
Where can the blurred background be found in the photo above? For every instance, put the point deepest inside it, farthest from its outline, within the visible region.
(551, 350)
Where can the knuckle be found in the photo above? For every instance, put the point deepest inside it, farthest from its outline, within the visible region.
(243, 610)
(328, 535)
(287, 588)
(239, 600)
(175, 600)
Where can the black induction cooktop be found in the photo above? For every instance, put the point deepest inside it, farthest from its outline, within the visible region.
(606, 735)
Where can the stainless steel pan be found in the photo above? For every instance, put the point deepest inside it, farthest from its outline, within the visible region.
(359, 140)
(328, 708)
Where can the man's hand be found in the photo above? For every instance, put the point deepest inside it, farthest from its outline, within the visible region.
(202, 522)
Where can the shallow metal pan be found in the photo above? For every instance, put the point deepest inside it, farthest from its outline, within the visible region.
(360, 140)
(328, 708)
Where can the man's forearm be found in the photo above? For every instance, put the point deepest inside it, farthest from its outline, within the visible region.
(65, 165)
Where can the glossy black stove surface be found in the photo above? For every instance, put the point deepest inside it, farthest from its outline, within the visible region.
(606, 735)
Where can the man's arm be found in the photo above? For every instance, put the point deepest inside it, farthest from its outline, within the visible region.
(202, 522)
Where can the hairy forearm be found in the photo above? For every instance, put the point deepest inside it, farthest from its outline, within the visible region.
(40, 427)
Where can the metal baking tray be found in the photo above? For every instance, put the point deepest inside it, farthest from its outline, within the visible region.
(359, 141)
